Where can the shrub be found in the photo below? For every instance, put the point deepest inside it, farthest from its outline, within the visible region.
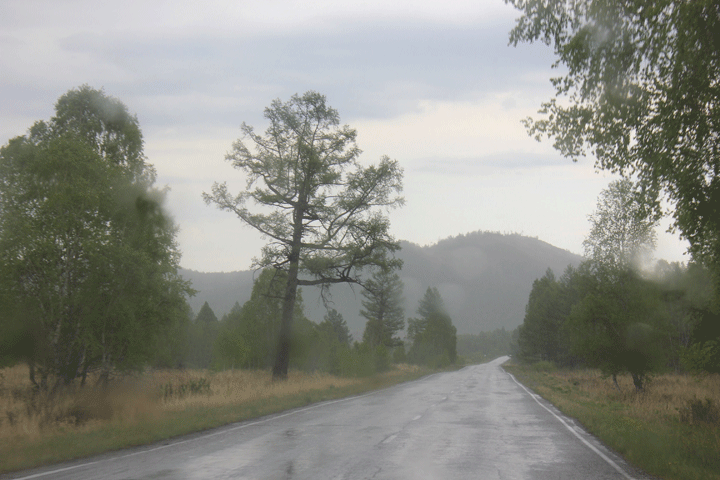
(696, 411)
(702, 357)
(440, 361)
(382, 358)
(200, 386)
(398, 355)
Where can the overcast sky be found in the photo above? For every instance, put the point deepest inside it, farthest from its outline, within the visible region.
(431, 84)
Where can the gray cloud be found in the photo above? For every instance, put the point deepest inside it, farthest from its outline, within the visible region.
(498, 162)
(370, 70)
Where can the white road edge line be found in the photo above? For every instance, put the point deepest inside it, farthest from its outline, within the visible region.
(200, 437)
(589, 445)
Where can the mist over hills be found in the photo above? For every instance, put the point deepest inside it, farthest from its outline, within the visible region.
(484, 278)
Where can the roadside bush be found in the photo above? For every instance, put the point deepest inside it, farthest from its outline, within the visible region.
(698, 411)
(382, 358)
(702, 357)
(440, 361)
(398, 355)
(199, 386)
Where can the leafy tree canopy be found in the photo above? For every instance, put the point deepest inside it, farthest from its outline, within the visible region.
(618, 326)
(88, 259)
(621, 237)
(642, 94)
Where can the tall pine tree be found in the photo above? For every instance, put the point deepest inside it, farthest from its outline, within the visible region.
(383, 308)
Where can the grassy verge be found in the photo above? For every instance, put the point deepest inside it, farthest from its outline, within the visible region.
(155, 406)
(671, 430)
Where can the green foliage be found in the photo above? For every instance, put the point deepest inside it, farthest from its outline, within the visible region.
(618, 326)
(399, 355)
(206, 315)
(382, 358)
(248, 336)
(621, 237)
(702, 357)
(541, 336)
(204, 331)
(618, 323)
(704, 354)
(433, 336)
(172, 345)
(334, 328)
(686, 293)
(640, 94)
(383, 308)
(624, 322)
(317, 205)
(607, 315)
(88, 258)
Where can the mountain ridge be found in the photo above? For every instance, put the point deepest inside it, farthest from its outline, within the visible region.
(484, 278)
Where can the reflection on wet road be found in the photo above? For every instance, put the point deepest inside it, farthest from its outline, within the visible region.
(474, 423)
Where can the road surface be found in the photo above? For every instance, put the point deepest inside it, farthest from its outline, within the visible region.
(476, 423)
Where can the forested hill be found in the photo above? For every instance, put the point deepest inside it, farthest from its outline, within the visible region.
(485, 279)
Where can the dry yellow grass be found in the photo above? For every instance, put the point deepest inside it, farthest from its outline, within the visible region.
(665, 396)
(232, 387)
(135, 397)
(37, 429)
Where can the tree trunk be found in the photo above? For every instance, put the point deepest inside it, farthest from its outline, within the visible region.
(638, 381)
(282, 358)
(36, 386)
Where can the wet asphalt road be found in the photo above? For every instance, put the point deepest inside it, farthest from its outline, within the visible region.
(474, 423)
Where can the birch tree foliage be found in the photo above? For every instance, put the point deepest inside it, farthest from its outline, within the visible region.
(308, 194)
(621, 237)
(641, 93)
(88, 259)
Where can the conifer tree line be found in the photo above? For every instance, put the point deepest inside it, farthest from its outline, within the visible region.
(89, 282)
(639, 94)
(246, 337)
(618, 312)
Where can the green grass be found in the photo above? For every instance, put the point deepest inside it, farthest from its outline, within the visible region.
(644, 427)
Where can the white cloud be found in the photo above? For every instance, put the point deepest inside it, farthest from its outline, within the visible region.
(452, 130)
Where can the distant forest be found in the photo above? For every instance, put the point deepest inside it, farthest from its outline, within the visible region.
(485, 279)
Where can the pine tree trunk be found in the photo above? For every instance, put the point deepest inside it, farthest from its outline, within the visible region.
(282, 358)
